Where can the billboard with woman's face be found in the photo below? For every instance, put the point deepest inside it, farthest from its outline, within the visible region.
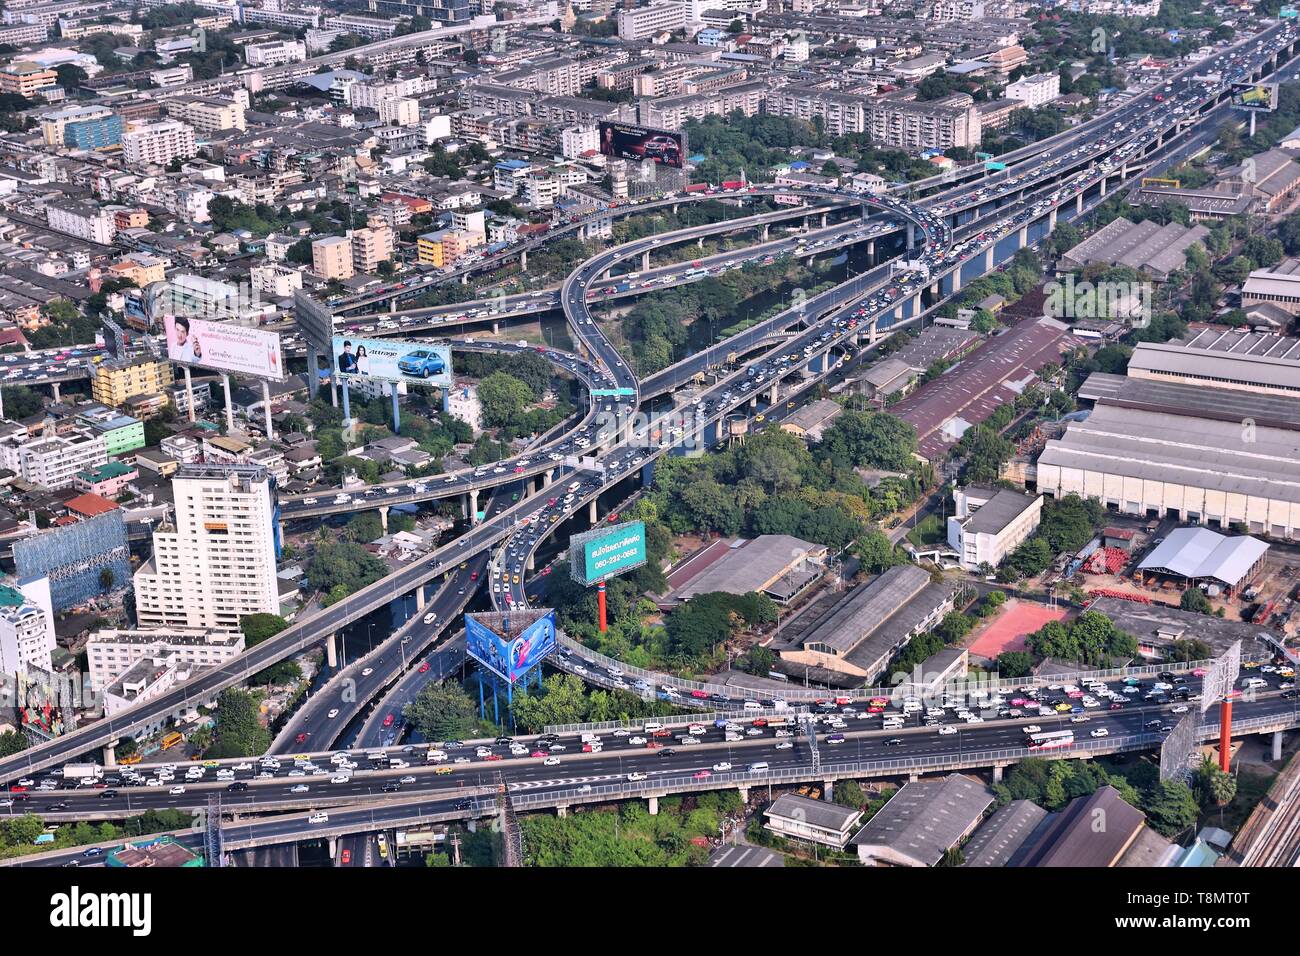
(626, 141)
(223, 347)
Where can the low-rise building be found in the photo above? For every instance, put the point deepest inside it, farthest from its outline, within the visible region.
(990, 523)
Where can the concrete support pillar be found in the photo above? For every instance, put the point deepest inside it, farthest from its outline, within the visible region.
(773, 394)
(496, 328)
(765, 231)
(531, 563)
(313, 372)
(464, 278)
(997, 773)
(913, 777)
(654, 806)
(347, 405)
(936, 289)
(916, 305)
(110, 755)
(645, 261)
(383, 517)
(392, 304)
(988, 259)
(700, 242)
(871, 252)
(473, 506)
(591, 512)
(1051, 219)
(548, 476)
(419, 598)
(189, 392)
(1078, 205)
(828, 791)
(230, 410)
(561, 812)
(1022, 238)
(911, 235)
(744, 796)
(1277, 745)
(334, 848)
(1103, 187)
(753, 401)
(523, 261)
(956, 280)
(824, 220)
(331, 651)
(55, 387)
(266, 409)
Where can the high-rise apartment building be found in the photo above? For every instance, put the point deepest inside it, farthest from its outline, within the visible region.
(158, 143)
(331, 258)
(216, 562)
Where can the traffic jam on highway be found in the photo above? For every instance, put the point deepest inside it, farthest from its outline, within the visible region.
(762, 734)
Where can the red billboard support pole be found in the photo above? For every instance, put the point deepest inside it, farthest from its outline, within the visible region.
(600, 600)
(1225, 735)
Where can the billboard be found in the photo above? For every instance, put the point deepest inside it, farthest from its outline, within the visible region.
(603, 553)
(1254, 96)
(626, 141)
(390, 360)
(223, 347)
(510, 644)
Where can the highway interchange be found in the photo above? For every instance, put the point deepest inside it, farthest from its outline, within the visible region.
(947, 232)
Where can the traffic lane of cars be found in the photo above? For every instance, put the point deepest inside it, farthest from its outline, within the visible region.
(614, 763)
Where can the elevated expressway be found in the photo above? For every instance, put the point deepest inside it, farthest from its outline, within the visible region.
(591, 484)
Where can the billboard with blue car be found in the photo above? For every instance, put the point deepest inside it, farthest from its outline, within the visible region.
(392, 360)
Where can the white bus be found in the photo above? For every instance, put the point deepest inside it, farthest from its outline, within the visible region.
(1051, 740)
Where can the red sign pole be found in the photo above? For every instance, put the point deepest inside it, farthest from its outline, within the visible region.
(1225, 735)
(600, 599)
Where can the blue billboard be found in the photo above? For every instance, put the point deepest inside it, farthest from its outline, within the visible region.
(513, 655)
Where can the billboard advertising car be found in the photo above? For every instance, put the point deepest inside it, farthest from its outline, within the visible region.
(627, 141)
(1254, 96)
(603, 553)
(391, 360)
(512, 654)
(223, 347)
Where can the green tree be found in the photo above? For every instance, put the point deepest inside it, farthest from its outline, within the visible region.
(1171, 808)
(442, 711)
(239, 731)
(258, 627)
(502, 398)
(1194, 600)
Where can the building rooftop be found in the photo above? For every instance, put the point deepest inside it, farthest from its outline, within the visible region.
(867, 609)
(1002, 834)
(924, 819)
(1196, 553)
(1071, 838)
(999, 511)
(756, 565)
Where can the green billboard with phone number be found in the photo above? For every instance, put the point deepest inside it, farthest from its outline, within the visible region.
(607, 552)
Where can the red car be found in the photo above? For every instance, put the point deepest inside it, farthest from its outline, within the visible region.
(550, 502)
(589, 749)
(539, 753)
(546, 570)
(841, 701)
(424, 668)
(17, 788)
(663, 733)
(1116, 706)
(388, 721)
(613, 517)
(759, 722)
(493, 757)
(301, 738)
(703, 774)
(473, 575)
(346, 857)
(699, 694)
(652, 745)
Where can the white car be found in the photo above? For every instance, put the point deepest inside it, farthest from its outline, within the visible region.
(785, 745)
(551, 762)
(1100, 732)
(637, 775)
(367, 672)
(721, 767)
(340, 778)
(332, 714)
(176, 791)
(947, 730)
(300, 788)
(636, 741)
(1079, 719)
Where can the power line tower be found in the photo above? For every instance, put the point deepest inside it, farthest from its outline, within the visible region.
(213, 848)
(512, 838)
